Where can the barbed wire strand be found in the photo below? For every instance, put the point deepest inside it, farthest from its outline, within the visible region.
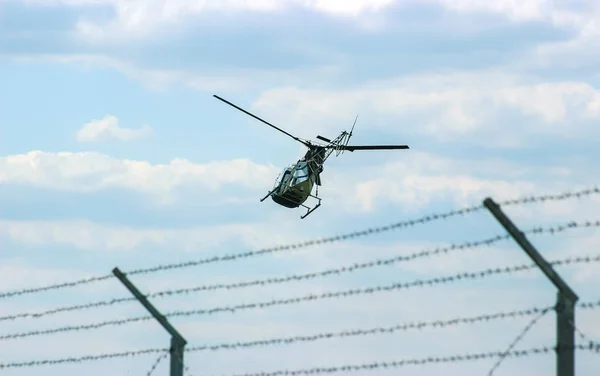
(516, 340)
(156, 363)
(296, 277)
(81, 359)
(332, 369)
(369, 231)
(312, 297)
(587, 305)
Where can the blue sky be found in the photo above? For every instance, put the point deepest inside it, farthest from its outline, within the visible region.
(115, 153)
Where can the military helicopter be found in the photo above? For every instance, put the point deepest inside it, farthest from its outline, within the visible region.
(295, 183)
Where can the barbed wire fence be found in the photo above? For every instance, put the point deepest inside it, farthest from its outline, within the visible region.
(474, 245)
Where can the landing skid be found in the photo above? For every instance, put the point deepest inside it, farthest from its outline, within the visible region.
(310, 210)
(268, 194)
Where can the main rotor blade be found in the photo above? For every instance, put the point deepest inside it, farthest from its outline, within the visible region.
(372, 147)
(259, 119)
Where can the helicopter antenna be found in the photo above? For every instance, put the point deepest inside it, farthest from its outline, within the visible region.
(264, 121)
(356, 118)
(352, 129)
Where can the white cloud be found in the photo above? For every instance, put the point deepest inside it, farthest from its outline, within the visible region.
(108, 128)
(347, 7)
(144, 18)
(444, 105)
(411, 181)
(13, 270)
(87, 235)
(70, 3)
(581, 51)
(593, 108)
(578, 16)
(154, 79)
(414, 180)
(140, 18)
(91, 171)
(523, 10)
(418, 191)
(211, 80)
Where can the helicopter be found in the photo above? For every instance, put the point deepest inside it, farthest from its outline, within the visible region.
(295, 183)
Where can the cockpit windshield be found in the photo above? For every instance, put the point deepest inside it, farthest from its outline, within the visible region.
(284, 175)
(293, 174)
(300, 172)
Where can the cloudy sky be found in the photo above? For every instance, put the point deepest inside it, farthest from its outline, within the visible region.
(114, 153)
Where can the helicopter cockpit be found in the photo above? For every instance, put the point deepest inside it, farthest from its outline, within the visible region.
(291, 175)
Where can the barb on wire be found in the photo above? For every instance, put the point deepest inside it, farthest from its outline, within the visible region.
(296, 277)
(157, 362)
(588, 305)
(311, 297)
(519, 337)
(331, 239)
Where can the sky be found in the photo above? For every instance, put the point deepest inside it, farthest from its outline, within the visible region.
(114, 153)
